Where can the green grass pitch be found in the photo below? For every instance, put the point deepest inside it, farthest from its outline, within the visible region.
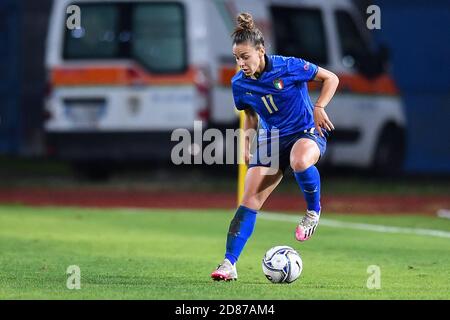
(169, 254)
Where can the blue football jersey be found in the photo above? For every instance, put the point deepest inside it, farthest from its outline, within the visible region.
(279, 95)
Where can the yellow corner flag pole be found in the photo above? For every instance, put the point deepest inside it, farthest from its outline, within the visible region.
(242, 169)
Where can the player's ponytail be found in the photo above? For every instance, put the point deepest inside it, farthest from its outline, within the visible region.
(246, 31)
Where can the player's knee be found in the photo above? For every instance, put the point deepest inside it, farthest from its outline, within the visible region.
(252, 202)
(300, 164)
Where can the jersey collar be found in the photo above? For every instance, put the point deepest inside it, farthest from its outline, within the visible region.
(268, 67)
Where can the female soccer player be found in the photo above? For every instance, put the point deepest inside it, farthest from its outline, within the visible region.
(274, 88)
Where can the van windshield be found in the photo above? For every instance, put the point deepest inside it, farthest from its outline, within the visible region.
(300, 32)
(152, 34)
(355, 51)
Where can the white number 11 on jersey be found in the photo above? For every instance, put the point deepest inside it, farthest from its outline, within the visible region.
(272, 103)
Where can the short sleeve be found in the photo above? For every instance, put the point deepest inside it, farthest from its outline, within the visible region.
(302, 70)
(237, 96)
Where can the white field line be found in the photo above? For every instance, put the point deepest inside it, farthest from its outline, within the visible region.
(358, 226)
(443, 213)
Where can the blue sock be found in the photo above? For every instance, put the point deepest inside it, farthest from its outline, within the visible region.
(309, 182)
(241, 228)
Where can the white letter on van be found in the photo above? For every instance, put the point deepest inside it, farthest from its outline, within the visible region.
(198, 142)
(216, 146)
(373, 21)
(180, 152)
(74, 20)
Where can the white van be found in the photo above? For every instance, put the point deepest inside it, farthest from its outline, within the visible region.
(137, 70)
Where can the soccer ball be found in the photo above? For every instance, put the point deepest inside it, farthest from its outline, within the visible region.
(282, 264)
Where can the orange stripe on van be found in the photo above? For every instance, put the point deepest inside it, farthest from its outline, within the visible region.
(226, 74)
(383, 85)
(347, 83)
(116, 76)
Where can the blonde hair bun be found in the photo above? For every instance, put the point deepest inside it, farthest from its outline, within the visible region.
(245, 21)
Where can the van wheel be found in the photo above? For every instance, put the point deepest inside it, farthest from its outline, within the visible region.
(390, 150)
(91, 171)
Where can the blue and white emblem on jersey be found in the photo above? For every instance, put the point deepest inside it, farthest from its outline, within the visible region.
(278, 83)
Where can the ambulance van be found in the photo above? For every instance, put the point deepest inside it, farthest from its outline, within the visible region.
(134, 71)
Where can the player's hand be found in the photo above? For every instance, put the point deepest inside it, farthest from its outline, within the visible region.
(321, 120)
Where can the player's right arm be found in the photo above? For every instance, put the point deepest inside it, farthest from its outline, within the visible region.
(250, 126)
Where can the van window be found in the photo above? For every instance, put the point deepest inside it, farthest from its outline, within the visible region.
(352, 44)
(158, 31)
(355, 50)
(96, 39)
(153, 34)
(300, 33)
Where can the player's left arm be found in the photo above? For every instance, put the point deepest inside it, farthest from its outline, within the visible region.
(330, 83)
